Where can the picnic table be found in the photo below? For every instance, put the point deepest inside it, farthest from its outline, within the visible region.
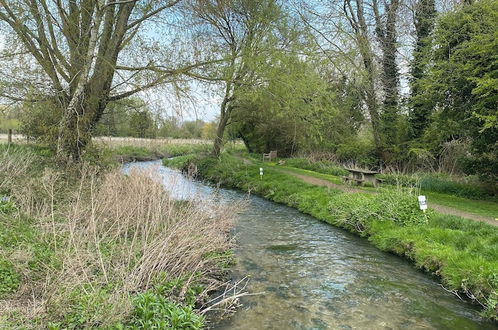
(361, 176)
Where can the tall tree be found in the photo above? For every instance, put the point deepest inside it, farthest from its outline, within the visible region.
(239, 29)
(385, 28)
(462, 84)
(425, 13)
(77, 45)
(355, 14)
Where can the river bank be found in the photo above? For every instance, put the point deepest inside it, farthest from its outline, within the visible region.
(462, 253)
(89, 247)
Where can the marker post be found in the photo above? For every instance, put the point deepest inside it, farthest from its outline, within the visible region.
(422, 202)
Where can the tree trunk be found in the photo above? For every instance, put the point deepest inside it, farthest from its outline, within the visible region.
(356, 17)
(220, 132)
(425, 13)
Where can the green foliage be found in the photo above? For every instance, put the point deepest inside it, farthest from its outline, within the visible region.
(358, 150)
(323, 166)
(464, 253)
(295, 109)
(461, 84)
(9, 278)
(153, 310)
(40, 121)
(359, 211)
(142, 125)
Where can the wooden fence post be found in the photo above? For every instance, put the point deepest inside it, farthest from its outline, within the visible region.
(9, 137)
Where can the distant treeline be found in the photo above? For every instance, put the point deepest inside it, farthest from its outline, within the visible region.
(127, 118)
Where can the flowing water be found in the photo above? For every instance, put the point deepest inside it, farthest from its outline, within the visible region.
(316, 276)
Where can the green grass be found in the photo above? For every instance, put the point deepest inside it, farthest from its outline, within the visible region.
(465, 187)
(328, 177)
(325, 167)
(174, 150)
(463, 253)
(483, 208)
(132, 151)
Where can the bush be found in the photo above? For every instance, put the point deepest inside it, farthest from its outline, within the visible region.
(360, 152)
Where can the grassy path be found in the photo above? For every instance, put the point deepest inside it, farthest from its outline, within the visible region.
(318, 180)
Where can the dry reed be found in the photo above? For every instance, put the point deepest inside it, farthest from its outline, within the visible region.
(117, 234)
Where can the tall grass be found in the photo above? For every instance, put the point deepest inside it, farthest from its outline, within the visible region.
(94, 257)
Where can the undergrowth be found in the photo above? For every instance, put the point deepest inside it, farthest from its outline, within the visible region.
(88, 247)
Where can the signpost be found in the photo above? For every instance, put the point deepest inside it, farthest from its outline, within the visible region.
(422, 202)
(261, 173)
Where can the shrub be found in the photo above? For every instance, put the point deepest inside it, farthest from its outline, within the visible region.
(360, 151)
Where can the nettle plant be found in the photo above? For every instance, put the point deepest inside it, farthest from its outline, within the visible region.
(358, 211)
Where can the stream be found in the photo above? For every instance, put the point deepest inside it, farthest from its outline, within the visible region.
(316, 276)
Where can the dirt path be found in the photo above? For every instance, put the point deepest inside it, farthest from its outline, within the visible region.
(346, 188)
(439, 208)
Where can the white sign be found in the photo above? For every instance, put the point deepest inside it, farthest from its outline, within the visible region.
(422, 202)
(261, 171)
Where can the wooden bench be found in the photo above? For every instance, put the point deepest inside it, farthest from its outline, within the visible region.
(272, 154)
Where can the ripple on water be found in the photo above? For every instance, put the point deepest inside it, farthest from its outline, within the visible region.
(320, 277)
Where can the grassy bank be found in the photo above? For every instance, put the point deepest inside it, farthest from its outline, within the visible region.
(438, 183)
(462, 253)
(140, 152)
(88, 247)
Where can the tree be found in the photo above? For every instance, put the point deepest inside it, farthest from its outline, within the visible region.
(239, 29)
(141, 124)
(355, 14)
(385, 29)
(462, 84)
(293, 109)
(78, 48)
(425, 13)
